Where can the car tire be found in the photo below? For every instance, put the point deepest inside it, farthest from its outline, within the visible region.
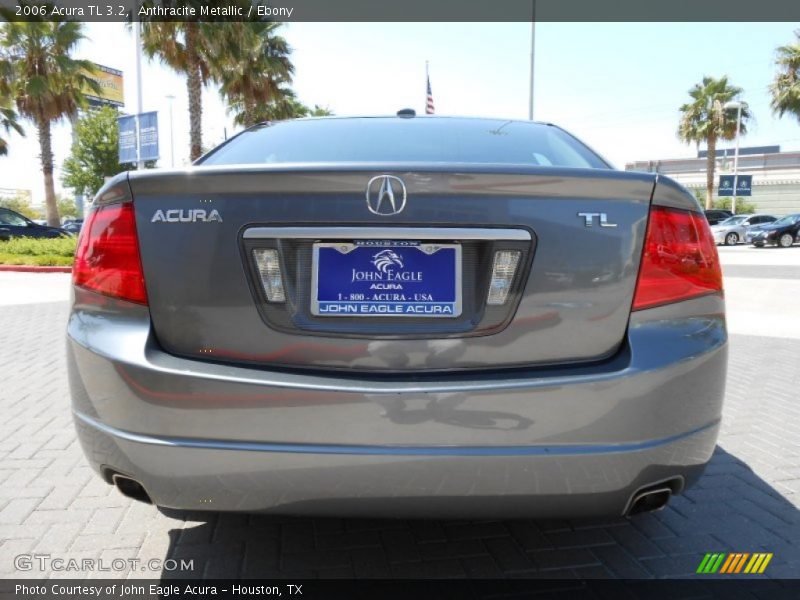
(731, 239)
(786, 240)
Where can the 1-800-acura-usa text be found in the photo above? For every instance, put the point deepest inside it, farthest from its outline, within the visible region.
(398, 316)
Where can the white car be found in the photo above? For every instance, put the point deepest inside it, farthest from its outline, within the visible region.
(734, 229)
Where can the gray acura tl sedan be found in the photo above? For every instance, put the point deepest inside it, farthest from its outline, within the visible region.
(398, 316)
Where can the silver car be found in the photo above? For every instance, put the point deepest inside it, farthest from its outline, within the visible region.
(398, 316)
(734, 229)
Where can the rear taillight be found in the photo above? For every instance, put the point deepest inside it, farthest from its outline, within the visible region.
(107, 258)
(679, 261)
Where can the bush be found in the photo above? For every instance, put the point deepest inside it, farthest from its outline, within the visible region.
(742, 205)
(41, 252)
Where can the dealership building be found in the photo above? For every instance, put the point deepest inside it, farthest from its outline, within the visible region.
(776, 175)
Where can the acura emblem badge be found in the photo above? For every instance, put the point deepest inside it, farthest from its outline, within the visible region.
(386, 195)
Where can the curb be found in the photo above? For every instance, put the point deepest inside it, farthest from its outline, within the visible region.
(35, 269)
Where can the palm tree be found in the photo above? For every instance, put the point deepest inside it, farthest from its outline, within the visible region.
(785, 87)
(185, 48)
(705, 119)
(45, 83)
(8, 121)
(255, 70)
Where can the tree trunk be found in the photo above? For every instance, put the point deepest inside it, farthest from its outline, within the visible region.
(51, 206)
(194, 87)
(711, 163)
(249, 116)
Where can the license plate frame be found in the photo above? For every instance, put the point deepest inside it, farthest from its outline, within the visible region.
(450, 307)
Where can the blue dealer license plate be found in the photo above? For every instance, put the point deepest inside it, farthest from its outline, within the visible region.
(386, 279)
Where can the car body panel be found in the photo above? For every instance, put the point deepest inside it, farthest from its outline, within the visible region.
(650, 412)
(577, 293)
(567, 407)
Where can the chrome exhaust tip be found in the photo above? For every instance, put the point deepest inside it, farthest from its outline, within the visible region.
(649, 500)
(130, 487)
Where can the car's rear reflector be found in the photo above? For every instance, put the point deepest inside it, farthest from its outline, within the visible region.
(269, 269)
(503, 271)
(679, 261)
(107, 258)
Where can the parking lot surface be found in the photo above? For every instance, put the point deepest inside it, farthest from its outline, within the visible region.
(748, 500)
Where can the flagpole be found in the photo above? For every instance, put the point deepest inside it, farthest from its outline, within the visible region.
(533, 57)
(427, 79)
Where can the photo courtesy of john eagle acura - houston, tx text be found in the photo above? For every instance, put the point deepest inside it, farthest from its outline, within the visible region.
(398, 316)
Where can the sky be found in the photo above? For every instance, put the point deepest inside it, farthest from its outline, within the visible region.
(616, 86)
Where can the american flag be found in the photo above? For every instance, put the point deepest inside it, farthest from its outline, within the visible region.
(429, 101)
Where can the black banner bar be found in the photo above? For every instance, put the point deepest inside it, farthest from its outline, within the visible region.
(597, 11)
(417, 589)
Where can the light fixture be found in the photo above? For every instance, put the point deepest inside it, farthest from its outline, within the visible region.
(503, 271)
(269, 269)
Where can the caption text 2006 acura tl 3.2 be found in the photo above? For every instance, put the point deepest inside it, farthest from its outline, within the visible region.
(400, 316)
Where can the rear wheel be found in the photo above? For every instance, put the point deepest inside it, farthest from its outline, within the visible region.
(758, 244)
(732, 239)
(786, 240)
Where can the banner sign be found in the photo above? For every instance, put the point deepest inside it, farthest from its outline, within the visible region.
(111, 86)
(744, 185)
(148, 136)
(138, 143)
(127, 139)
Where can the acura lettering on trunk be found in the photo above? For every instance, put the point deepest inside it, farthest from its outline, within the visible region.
(504, 326)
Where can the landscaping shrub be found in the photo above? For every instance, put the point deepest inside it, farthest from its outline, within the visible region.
(35, 251)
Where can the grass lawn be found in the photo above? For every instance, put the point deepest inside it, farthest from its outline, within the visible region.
(42, 252)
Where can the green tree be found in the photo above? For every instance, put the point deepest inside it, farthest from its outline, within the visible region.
(94, 155)
(319, 111)
(22, 205)
(785, 88)
(188, 48)
(705, 119)
(67, 207)
(253, 69)
(8, 121)
(45, 82)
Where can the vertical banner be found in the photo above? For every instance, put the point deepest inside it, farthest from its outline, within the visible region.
(744, 185)
(138, 143)
(127, 139)
(148, 136)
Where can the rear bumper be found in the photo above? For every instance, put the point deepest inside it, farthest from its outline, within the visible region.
(545, 442)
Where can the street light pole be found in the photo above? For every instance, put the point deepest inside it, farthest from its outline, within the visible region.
(533, 56)
(137, 34)
(738, 107)
(171, 97)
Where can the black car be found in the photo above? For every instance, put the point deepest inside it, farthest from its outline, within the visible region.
(13, 224)
(716, 215)
(784, 232)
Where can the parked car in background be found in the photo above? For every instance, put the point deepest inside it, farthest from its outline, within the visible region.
(732, 230)
(72, 226)
(753, 230)
(361, 327)
(13, 224)
(784, 232)
(716, 215)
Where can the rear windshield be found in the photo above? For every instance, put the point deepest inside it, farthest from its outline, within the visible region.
(406, 140)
